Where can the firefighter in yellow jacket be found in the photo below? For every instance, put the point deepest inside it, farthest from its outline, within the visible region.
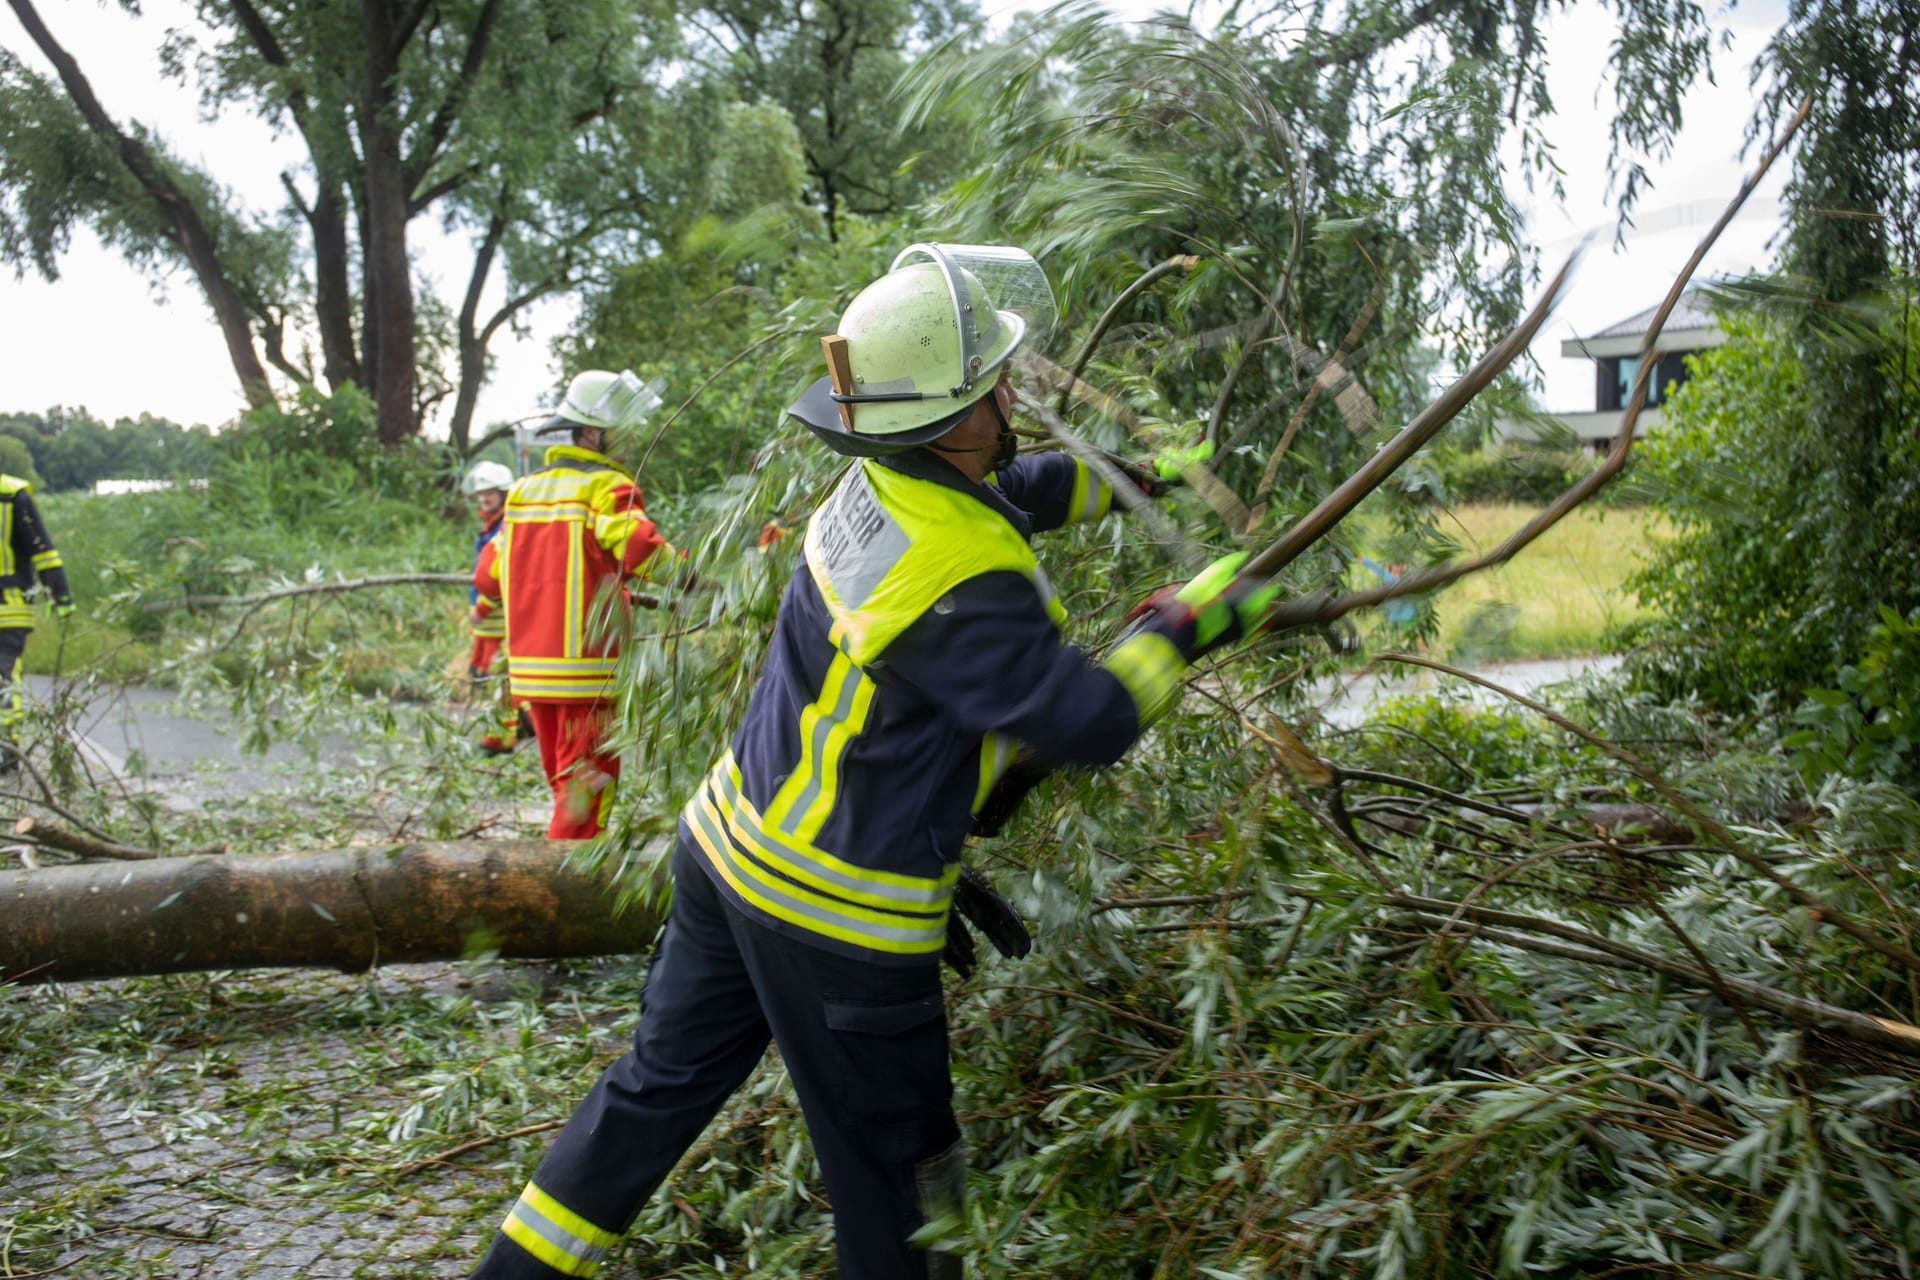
(816, 866)
(573, 536)
(25, 551)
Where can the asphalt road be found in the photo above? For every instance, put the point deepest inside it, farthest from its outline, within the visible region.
(145, 736)
(1346, 703)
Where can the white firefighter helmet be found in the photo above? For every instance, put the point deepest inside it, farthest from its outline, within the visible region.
(486, 475)
(597, 398)
(924, 342)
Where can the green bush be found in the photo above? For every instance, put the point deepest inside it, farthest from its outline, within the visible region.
(1509, 473)
(292, 494)
(1779, 563)
(1868, 728)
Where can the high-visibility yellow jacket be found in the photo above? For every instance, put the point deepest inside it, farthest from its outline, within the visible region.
(916, 645)
(25, 550)
(573, 533)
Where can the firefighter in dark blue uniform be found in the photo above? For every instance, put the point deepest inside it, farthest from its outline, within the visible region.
(916, 646)
(25, 552)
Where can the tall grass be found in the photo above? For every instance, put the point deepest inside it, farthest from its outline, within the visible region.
(1557, 598)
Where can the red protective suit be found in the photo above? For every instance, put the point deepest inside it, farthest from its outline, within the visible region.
(574, 532)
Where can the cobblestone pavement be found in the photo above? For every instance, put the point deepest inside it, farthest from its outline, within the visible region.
(204, 1173)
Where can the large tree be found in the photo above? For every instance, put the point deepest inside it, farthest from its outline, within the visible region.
(525, 124)
(833, 64)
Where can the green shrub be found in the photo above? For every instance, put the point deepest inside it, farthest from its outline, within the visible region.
(1509, 473)
(1779, 564)
(1868, 728)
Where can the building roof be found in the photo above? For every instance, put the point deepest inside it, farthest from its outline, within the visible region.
(1691, 312)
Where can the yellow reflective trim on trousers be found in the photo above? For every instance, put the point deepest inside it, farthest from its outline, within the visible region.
(560, 690)
(828, 725)
(1150, 666)
(567, 666)
(827, 916)
(888, 890)
(13, 708)
(556, 1234)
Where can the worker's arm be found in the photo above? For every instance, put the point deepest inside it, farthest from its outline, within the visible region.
(621, 526)
(988, 655)
(1056, 489)
(37, 549)
(486, 579)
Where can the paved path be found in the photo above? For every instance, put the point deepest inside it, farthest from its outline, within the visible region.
(197, 1164)
(147, 737)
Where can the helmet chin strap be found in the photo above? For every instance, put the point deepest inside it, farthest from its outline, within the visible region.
(1006, 444)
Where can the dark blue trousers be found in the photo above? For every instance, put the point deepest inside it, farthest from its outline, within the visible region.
(865, 1045)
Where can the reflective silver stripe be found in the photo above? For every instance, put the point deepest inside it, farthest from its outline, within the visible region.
(555, 1234)
(816, 754)
(1091, 486)
(898, 897)
(780, 898)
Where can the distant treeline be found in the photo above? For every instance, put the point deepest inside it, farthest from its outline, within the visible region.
(65, 449)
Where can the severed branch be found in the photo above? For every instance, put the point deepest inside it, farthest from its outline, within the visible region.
(50, 835)
(336, 587)
(1704, 821)
(1327, 607)
(1531, 933)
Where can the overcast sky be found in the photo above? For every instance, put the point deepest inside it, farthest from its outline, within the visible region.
(105, 337)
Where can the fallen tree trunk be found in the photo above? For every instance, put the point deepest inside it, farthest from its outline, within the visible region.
(347, 909)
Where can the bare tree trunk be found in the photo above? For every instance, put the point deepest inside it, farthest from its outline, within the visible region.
(333, 289)
(347, 909)
(186, 228)
(388, 275)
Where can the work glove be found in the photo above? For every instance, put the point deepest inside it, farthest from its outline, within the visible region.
(1171, 462)
(1145, 479)
(1218, 607)
(63, 609)
(988, 912)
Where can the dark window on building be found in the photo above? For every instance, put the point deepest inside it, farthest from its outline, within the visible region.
(1616, 375)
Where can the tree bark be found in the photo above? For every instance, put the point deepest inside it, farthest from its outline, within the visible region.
(347, 909)
(388, 329)
(188, 228)
(333, 288)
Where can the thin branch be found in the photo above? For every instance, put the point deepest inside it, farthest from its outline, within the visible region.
(1701, 819)
(1179, 262)
(335, 588)
(51, 836)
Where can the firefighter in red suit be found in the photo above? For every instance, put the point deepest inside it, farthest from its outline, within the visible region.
(573, 536)
(487, 484)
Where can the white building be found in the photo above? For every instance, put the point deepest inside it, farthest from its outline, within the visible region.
(1615, 353)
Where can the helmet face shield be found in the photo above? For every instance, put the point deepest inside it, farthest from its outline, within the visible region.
(921, 344)
(597, 398)
(1014, 283)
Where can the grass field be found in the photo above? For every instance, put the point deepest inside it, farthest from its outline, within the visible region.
(1554, 599)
